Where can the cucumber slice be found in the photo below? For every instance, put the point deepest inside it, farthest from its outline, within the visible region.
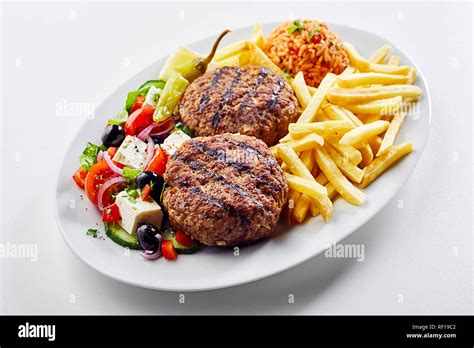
(115, 232)
(180, 249)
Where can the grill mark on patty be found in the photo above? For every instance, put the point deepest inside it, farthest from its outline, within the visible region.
(219, 178)
(221, 205)
(276, 91)
(252, 150)
(216, 155)
(225, 98)
(205, 97)
(261, 76)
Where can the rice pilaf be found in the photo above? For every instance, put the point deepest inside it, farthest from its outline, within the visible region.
(308, 46)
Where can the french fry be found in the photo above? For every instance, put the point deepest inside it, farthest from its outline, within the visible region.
(301, 89)
(372, 118)
(390, 69)
(312, 90)
(383, 162)
(314, 190)
(379, 56)
(303, 204)
(371, 78)
(293, 197)
(230, 61)
(377, 107)
(332, 193)
(296, 165)
(335, 113)
(287, 138)
(356, 59)
(259, 58)
(391, 133)
(344, 96)
(317, 99)
(412, 76)
(257, 35)
(348, 152)
(355, 119)
(364, 65)
(315, 170)
(394, 60)
(350, 170)
(367, 155)
(302, 207)
(347, 71)
(306, 143)
(307, 157)
(359, 135)
(376, 142)
(235, 48)
(335, 177)
(322, 128)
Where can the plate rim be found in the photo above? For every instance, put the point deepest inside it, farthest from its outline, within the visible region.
(420, 149)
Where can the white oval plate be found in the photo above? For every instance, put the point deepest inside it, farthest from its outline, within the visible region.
(214, 268)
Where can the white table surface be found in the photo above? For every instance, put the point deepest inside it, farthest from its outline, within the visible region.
(418, 259)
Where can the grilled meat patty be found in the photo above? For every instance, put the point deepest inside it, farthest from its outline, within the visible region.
(224, 190)
(250, 100)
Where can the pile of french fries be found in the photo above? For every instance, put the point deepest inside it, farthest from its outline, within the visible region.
(344, 138)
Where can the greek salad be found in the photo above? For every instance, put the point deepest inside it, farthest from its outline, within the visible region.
(123, 176)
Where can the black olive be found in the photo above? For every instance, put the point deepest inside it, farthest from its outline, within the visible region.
(146, 236)
(159, 139)
(113, 135)
(153, 179)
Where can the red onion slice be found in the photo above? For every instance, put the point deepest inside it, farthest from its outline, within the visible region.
(112, 165)
(150, 152)
(164, 131)
(144, 134)
(105, 186)
(148, 254)
(100, 155)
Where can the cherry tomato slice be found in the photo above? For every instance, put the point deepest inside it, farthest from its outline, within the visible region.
(168, 251)
(146, 193)
(137, 104)
(112, 151)
(184, 239)
(111, 213)
(158, 162)
(139, 120)
(80, 177)
(97, 175)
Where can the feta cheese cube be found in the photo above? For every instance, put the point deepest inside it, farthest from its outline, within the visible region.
(152, 96)
(174, 141)
(132, 153)
(135, 211)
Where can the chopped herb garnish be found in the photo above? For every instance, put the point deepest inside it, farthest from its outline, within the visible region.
(298, 26)
(131, 173)
(91, 232)
(132, 192)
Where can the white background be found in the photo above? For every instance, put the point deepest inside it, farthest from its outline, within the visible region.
(418, 258)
